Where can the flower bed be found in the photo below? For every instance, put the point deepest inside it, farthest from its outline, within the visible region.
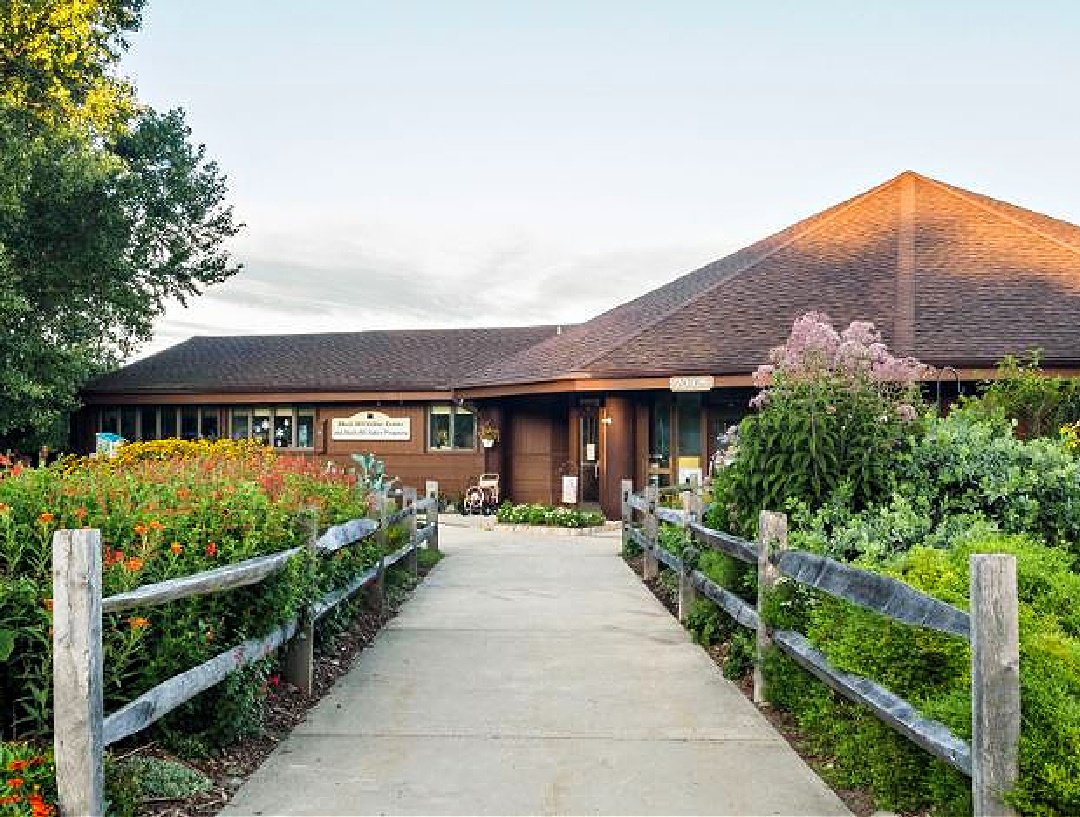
(165, 509)
(552, 516)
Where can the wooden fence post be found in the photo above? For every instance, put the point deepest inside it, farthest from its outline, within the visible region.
(77, 671)
(995, 683)
(300, 655)
(408, 500)
(627, 511)
(433, 522)
(772, 533)
(687, 591)
(376, 593)
(650, 568)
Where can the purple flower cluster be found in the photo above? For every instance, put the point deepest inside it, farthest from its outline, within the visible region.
(815, 350)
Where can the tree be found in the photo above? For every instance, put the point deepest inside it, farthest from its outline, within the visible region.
(107, 211)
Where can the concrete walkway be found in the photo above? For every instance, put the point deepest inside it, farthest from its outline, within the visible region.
(534, 675)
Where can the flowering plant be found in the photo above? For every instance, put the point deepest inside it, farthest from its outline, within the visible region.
(489, 431)
(833, 412)
(165, 509)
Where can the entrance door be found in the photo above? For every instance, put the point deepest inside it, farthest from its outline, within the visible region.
(589, 456)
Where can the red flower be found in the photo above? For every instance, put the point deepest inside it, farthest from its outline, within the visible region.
(211, 549)
(275, 680)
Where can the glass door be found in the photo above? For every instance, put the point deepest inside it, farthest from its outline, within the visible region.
(590, 454)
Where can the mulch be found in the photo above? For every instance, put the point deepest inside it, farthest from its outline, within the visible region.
(285, 708)
(860, 801)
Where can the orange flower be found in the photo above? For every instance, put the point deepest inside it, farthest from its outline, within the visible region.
(141, 530)
(154, 524)
(134, 564)
(4, 507)
(7, 801)
(138, 622)
(211, 549)
(45, 518)
(17, 765)
(48, 604)
(15, 782)
(176, 548)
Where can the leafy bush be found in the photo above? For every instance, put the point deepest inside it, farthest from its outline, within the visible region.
(932, 670)
(548, 515)
(1040, 405)
(162, 778)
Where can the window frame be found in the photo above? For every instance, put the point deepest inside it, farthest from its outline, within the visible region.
(437, 409)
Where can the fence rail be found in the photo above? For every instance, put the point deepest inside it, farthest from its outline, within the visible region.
(82, 731)
(991, 628)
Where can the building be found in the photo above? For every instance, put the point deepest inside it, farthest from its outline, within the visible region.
(952, 277)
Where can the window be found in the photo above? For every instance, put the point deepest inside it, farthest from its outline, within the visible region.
(168, 422)
(148, 423)
(162, 422)
(689, 419)
(280, 426)
(451, 428)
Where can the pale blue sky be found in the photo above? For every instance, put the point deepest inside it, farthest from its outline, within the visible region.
(464, 163)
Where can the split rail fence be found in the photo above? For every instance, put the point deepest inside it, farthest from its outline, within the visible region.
(81, 729)
(992, 629)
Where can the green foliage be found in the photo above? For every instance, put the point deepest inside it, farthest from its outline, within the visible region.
(556, 516)
(59, 58)
(932, 670)
(122, 797)
(161, 778)
(427, 558)
(730, 573)
(1040, 405)
(706, 623)
(107, 210)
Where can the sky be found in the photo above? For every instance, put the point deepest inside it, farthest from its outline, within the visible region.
(439, 164)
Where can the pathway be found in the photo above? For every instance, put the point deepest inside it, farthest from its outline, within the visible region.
(534, 675)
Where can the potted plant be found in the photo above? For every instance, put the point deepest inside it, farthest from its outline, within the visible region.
(489, 434)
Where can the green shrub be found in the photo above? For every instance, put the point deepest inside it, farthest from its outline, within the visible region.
(932, 670)
(1040, 405)
(161, 778)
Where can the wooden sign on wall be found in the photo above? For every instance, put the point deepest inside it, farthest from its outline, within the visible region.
(371, 425)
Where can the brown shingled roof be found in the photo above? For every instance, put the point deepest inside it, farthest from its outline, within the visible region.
(403, 360)
(948, 275)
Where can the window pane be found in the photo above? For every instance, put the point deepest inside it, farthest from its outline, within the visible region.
(127, 423)
(439, 427)
(168, 422)
(110, 421)
(464, 429)
(689, 409)
(283, 428)
(260, 426)
(305, 429)
(660, 433)
(210, 430)
(189, 423)
(148, 423)
(241, 424)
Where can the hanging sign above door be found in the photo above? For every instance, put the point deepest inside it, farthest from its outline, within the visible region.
(697, 382)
